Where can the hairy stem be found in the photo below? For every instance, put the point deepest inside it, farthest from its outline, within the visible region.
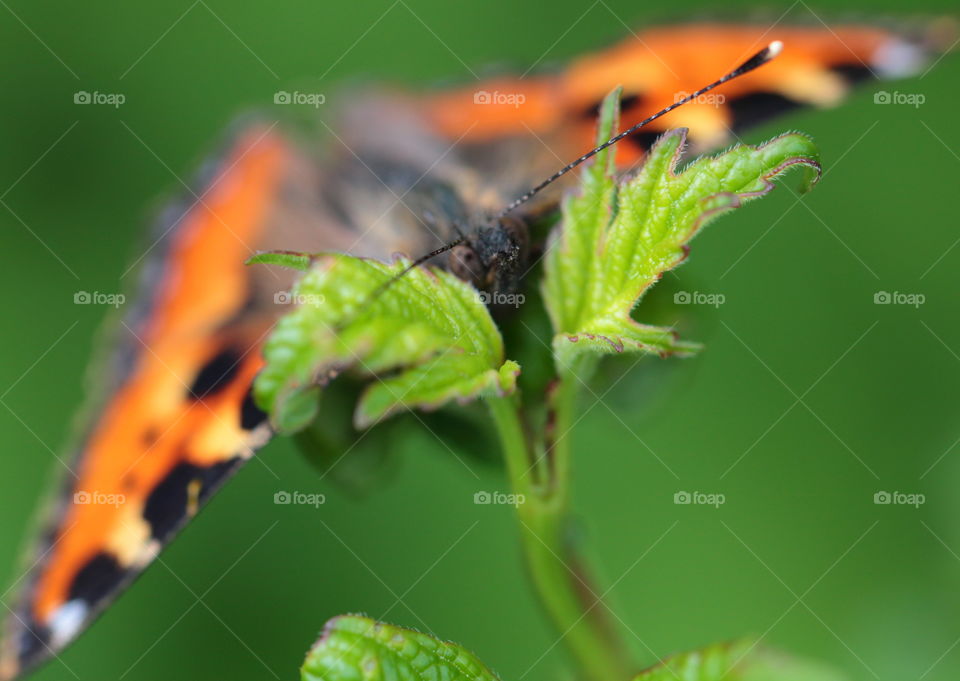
(554, 570)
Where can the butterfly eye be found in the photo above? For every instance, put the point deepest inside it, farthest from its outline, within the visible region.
(519, 234)
(465, 264)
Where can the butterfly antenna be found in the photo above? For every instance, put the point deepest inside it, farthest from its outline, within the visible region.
(757, 60)
(416, 263)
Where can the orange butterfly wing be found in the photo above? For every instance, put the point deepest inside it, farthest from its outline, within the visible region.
(817, 67)
(181, 419)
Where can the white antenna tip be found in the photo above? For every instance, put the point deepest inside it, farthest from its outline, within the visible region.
(774, 48)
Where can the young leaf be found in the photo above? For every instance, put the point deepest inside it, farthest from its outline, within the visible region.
(359, 649)
(427, 338)
(615, 240)
(739, 661)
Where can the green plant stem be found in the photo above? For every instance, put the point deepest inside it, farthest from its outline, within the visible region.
(554, 570)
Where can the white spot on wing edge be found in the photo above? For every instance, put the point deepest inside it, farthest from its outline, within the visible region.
(66, 622)
(898, 59)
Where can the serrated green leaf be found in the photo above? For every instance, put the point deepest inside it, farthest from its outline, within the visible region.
(568, 267)
(427, 338)
(614, 336)
(356, 648)
(616, 239)
(738, 661)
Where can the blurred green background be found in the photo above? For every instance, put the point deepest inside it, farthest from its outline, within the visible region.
(808, 399)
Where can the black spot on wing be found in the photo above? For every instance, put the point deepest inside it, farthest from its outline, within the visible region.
(756, 107)
(216, 373)
(854, 72)
(166, 507)
(251, 415)
(96, 580)
(627, 102)
(644, 139)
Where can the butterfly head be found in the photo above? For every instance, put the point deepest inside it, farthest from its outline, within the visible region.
(492, 254)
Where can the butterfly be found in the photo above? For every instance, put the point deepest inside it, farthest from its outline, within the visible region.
(447, 174)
